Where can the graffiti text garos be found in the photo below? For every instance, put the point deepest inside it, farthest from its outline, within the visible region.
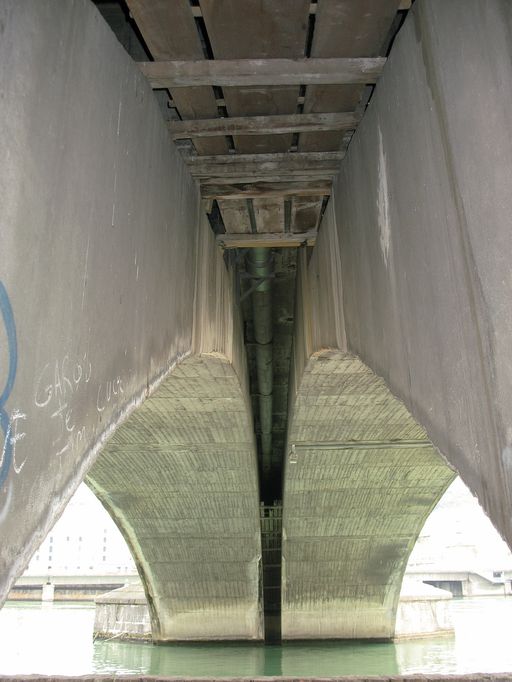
(56, 384)
(61, 379)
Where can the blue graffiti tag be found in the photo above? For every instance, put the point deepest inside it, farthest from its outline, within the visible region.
(12, 348)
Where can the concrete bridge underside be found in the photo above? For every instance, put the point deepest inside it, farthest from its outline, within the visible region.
(122, 326)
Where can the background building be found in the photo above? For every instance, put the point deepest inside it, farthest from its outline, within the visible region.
(459, 549)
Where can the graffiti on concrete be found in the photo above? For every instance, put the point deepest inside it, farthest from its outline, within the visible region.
(108, 392)
(9, 421)
(63, 384)
(57, 384)
(12, 364)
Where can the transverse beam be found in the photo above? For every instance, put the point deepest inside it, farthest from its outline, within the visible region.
(266, 189)
(268, 239)
(249, 72)
(243, 164)
(263, 125)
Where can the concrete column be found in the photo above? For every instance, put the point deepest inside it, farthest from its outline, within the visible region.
(48, 592)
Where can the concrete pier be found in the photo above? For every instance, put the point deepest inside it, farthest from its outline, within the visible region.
(423, 611)
(122, 614)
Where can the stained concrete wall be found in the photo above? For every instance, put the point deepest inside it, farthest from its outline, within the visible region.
(423, 207)
(98, 223)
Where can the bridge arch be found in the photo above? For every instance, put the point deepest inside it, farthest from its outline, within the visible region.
(410, 274)
(361, 477)
(180, 479)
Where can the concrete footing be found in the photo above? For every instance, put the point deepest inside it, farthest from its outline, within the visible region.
(122, 614)
(48, 592)
(423, 611)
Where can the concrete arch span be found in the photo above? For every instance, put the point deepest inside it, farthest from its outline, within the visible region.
(179, 478)
(361, 475)
(361, 478)
(89, 243)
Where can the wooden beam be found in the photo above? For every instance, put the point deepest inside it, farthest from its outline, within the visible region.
(251, 190)
(293, 160)
(250, 72)
(259, 30)
(221, 102)
(226, 165)
(266, 239)
(196, 11)
(296, 177)
(344, 28)
(263, 125)
(170, 32)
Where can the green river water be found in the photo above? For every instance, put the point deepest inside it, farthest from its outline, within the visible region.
(57, 639)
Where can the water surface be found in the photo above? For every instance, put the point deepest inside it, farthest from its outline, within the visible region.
(56, 639)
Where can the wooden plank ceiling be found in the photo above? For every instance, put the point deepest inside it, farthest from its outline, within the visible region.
(267, 147)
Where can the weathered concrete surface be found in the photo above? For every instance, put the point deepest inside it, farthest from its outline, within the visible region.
(180, 479)
(352, 512)
(98, 224)
(423, 207)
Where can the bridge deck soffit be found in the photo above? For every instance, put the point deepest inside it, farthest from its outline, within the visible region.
(259, 89)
